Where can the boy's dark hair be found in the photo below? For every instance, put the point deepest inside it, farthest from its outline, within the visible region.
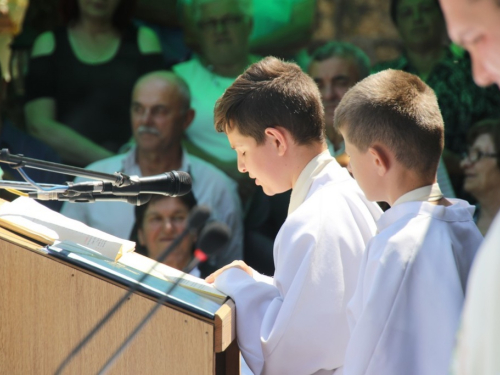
(488, 126)
(272, 93)
(396, 109)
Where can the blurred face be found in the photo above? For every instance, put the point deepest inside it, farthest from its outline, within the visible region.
(259, 161)
(164, 220)
(362, 169)
(158, 120)
(475, 25)
(104, 9)
(223, 32)
(334, 77)
(12, 14)
(419, 22)
(482, 174)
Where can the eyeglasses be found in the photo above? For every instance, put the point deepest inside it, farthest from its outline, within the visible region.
(475, 155)
(212, 24)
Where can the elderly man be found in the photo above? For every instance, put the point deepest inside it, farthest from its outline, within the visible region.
(223, 29)
(475, 25)
(160, 113)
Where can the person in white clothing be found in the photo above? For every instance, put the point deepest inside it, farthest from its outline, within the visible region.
(336, 67)
(410, 291)
(294, 322)
(474, 25)
(160, 112)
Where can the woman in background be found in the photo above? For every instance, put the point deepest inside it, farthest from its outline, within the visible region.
(158, 223)
(481, 167)
(80, 79)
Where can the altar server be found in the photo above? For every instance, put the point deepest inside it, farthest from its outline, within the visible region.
(409, 296)
(294, 322)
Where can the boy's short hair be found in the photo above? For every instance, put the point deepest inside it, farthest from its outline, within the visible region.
(396, 109)
(272, 93)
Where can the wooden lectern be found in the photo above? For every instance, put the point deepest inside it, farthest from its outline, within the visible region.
(47, 306)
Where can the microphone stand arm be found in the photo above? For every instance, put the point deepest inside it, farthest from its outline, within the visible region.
(19, 161)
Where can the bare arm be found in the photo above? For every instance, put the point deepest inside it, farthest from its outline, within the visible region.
(41, 121)
(71, 146)
(292, 36)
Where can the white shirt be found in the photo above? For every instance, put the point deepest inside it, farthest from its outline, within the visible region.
(406, 308)
(211, 188)
(296, 323)
(478, 346)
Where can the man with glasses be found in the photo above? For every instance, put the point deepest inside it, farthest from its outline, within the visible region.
(223, 28)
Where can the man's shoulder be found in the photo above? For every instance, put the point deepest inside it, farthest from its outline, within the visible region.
(207, 176)
(208, 171)
(108, 165)
(188, 67)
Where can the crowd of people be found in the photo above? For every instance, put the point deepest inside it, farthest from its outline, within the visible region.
(357, 194)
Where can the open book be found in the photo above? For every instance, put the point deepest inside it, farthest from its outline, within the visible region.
(33, 220)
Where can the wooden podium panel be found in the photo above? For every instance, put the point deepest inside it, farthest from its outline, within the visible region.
(47, 306)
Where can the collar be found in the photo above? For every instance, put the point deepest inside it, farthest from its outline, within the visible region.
(429, 193)
(130, 166)
(460, 210)
(306, 178)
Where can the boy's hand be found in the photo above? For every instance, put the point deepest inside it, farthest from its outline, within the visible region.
(237, 263)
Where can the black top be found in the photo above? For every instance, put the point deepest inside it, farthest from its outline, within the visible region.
(92, 99)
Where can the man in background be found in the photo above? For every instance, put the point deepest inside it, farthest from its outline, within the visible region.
(160, 113)
(475, 26)
(336, 67)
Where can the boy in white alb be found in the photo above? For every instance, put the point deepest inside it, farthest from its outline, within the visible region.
(294, 322)
(405, 311)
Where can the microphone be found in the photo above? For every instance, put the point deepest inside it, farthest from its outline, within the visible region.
(173, 184)
(136, 200)
(197, 219)
(213, 238)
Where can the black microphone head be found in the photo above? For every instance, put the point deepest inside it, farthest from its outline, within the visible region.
(198, 217)
(213, 238)
(184, 182)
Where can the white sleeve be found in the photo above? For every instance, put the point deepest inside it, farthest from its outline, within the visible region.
(298, 325)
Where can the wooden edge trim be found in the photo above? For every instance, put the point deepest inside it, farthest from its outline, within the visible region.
(225, 326)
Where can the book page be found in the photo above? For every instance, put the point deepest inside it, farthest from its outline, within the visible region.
(164, 272)
(32, 217)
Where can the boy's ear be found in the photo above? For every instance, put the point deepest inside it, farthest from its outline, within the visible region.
(279, 138)
(381, 159)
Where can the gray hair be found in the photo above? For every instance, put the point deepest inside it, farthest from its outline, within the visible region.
(173, 78)
(343, 50)
(245, 7)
